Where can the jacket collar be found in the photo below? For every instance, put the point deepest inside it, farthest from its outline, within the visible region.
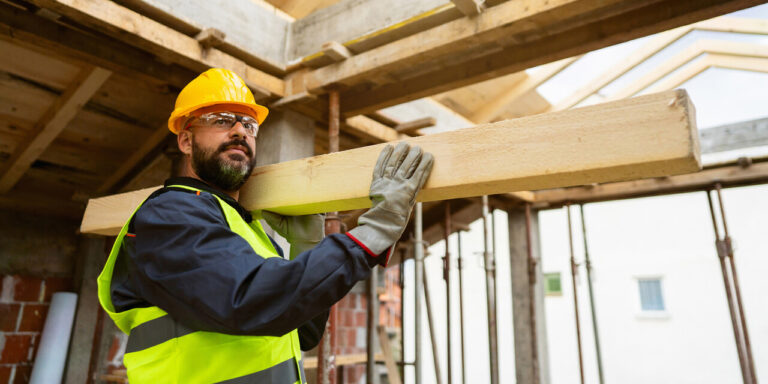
(203, 186)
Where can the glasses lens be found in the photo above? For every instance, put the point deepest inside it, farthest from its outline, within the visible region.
(226, 120)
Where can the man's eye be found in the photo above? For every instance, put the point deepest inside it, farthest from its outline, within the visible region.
(249, 126)
(221, 122)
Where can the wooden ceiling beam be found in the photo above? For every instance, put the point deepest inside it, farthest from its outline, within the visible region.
(129, 165)
(371, 130)
(648, 136)
(551, 43)
(752, 64)
(491, 110)
(720, 47)
(654, 46)
(169, 44)
(413, 126)
(55, 119)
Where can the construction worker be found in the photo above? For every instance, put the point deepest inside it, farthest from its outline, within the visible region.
(203, 293)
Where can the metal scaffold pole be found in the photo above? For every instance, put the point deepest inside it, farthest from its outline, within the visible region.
(418, 274)
(588, 265)
(461, 310)
(574, 272)
(371, 330)
(725, 251)
(447, 277)
(490, 289)
(431, 324)
(326, 353)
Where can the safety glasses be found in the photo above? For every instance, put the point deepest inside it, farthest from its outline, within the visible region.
(226, 120)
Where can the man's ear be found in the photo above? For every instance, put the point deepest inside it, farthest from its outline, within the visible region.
(184, 140)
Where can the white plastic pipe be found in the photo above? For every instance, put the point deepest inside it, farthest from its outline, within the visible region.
(54, 342)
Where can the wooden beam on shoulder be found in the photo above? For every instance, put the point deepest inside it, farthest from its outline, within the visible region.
(169, 44)
(647, 136)
(55, 119)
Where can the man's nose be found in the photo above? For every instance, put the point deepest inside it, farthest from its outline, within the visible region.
(238, 130)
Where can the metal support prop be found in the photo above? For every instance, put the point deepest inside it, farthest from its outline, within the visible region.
(418, 275)
(431, 324)
(490, 289)
(371, 331)
(401, 275)
(588, 265)
(447, 278)
(326, 353)
(725, 251)
(574, 271)
(532, 293)
(461, 311)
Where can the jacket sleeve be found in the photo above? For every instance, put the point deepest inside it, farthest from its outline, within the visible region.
(189, 263)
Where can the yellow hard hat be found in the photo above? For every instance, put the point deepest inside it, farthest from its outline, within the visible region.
(215, 86)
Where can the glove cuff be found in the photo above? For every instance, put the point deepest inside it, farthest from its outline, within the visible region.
(380, 253)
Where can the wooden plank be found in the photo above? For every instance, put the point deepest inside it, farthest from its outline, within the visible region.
(336, 51)
(551, 42)
(413, 126)
(361, 25)
(386, 349)
(729, 175)
(145, 33)
(646, 136)
(513, 17)
(371, 130)
(469, 7)
(51, 124)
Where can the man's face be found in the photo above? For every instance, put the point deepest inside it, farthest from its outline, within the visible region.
(222, 156)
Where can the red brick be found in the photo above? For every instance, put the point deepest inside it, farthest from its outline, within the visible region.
(361, 319)
(56, 284)
(27, 288)
(9, 314)
(33, 317)
(16, 349)
(5, 374)
(347, 317)
(23, 373)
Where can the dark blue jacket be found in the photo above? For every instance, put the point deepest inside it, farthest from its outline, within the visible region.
(189, 263)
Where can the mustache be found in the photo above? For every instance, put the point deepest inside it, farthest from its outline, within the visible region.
(242, 142)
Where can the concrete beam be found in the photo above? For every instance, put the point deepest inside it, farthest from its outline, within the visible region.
(745, 134)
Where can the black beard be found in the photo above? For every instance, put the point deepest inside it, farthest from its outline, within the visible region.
(218, 172)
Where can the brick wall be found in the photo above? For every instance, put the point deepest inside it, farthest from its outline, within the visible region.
(24, 304)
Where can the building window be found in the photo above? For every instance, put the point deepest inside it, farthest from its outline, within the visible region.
(651, 298)
(552, 286)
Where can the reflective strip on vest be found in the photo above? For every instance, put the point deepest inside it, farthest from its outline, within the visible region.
(284, 372)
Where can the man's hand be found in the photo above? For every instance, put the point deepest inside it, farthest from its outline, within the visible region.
(398, 177)
(302, 232)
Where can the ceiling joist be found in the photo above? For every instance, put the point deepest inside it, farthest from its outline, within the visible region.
(55, 119)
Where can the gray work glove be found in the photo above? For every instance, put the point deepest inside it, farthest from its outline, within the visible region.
(302, 232)
(398, 176)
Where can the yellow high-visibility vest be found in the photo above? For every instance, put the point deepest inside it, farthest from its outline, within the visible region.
(162, 350)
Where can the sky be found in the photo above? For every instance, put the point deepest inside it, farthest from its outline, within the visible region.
(720, 96)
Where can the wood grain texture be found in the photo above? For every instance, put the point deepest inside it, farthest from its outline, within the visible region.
(647, 136)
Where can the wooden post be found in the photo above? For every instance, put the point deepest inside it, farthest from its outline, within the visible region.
(91, 257)
(527, 331)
